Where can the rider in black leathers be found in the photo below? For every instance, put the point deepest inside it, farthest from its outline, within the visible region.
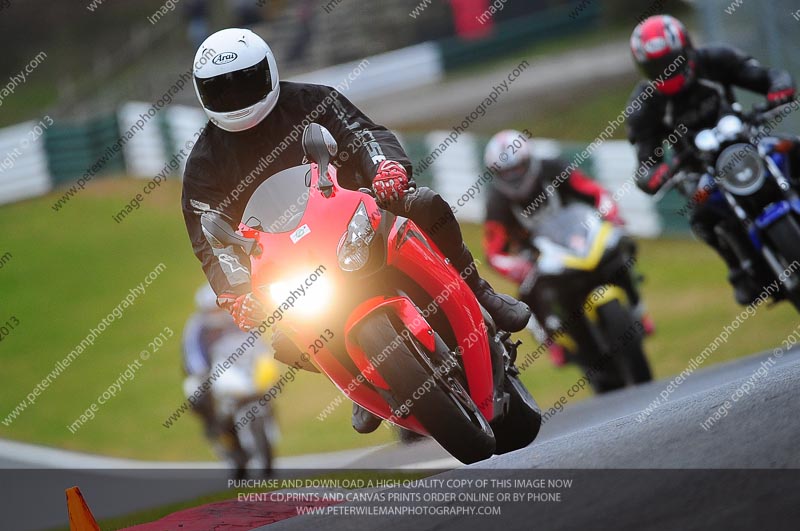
(692, 87)
(254, 131)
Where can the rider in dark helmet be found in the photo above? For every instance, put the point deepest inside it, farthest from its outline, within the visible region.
(253, 117)
(692, 88)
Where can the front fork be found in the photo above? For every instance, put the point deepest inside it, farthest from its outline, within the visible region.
(503, 353)
(742, 252)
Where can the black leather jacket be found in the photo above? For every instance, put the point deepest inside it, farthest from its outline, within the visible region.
(224, 168)
(718, 69)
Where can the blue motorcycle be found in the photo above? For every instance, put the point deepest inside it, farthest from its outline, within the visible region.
(745, 176)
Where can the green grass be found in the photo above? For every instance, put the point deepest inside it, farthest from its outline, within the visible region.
(70, 269)
(686, 293)
(582, 118)
(27, 103)
(581, 112)
(587, 38)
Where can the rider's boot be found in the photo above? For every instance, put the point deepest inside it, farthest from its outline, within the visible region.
(287, 352)
(508, 313)
(363, 421)
(641, 314)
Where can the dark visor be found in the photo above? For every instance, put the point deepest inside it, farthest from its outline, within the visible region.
(516, 174)
(665, 67)
(236, 90)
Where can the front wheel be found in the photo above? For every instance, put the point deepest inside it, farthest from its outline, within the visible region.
(263, 445)
(785, 237)
(442, 405)
(624, 336)
(408, 437)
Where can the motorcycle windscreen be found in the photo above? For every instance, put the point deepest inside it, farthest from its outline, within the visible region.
(569, 227)
(278, 204)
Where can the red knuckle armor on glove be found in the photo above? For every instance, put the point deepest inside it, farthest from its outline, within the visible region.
(609, 209)
(390, 182)
(779, 97)
(495, 241)
(246, 310)
(658, 177)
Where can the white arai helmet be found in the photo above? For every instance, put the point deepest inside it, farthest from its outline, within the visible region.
(236, 79)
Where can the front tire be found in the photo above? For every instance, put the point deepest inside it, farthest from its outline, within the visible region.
(785, 237)
(264, 448)
(409, 437)
(625, 338)
(458, 428)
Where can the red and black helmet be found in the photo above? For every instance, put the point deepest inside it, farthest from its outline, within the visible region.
(663, 51)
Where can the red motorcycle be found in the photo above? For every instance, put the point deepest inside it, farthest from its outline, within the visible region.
(382, 312)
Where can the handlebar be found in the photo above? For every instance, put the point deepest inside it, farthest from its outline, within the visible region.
(370, 192)
(759, 114)
(762, 112)
(670, 185)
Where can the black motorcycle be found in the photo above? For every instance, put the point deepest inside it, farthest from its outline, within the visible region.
(745, 177)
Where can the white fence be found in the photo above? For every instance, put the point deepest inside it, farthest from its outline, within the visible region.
(23, 163)
(24, 172)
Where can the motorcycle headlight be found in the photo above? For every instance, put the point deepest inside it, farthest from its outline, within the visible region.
(740, 169)
(353, 250)
(730, 126)
(302, 294)
(706, 140)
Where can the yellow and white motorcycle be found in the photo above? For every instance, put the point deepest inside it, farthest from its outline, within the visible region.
(232, 395)
(585, 276)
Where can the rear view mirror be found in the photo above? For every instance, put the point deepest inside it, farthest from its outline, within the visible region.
(220, 234)
(318, 144)
(319, 147)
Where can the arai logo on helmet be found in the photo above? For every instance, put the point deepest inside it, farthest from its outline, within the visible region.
(224, 58)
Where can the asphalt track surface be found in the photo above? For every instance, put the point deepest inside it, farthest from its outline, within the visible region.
(761, 431)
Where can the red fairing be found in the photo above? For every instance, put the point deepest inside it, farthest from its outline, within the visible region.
(418, 257)
(400, 306)
(317, 248)
(495, 243)
(409, 250)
